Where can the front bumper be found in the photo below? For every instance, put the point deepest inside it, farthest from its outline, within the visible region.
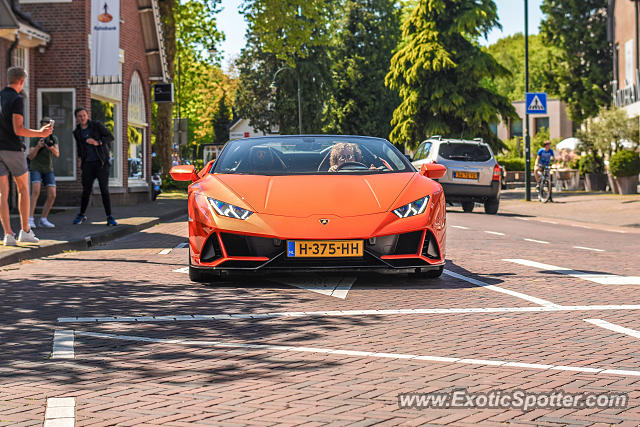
(240, 252)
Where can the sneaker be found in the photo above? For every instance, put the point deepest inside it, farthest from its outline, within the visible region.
(111, 221)
(9, 240)
(44, 222)
(79, 219)
(24, 237)
(32, 223)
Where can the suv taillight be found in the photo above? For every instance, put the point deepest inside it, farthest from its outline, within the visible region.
(497, 173)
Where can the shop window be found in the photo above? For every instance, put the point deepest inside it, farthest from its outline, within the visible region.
(136, 117)
(59, 105)
(105, 112)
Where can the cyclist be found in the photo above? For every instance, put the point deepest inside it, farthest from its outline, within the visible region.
(544, 158)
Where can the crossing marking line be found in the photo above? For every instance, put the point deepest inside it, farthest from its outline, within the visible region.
(613, 327)
(63, 342)
(588, 249)
(164, 252)
(603, 279)
(520, 295)
(343, 313)
(357, 353)
(331, 286)
(494, 232)
(536, 241)
(460, 227)
(178, 246)
(60, 412)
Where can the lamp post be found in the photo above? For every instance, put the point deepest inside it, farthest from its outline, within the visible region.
(527, 142)
(273, 85)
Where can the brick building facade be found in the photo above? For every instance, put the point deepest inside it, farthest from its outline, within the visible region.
(60, 80)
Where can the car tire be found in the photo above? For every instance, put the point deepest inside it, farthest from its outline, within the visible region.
(468, 206)
(430, 273)
(491, 205)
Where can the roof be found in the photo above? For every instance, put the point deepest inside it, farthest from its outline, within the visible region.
(153, 40)
(12, 21)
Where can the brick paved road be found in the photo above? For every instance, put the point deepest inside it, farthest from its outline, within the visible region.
(323, 368)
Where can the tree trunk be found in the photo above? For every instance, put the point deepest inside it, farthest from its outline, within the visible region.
(164, 125)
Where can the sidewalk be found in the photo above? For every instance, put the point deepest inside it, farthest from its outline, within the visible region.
(66, 236)
(605, 209)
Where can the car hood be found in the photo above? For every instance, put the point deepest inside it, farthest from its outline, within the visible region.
(301, 196)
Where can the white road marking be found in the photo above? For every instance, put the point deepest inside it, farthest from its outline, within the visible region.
(168, 251)
(164, 252)
(60, 412)
(537, 241)
(520, 295)
(603, 279)
(63, 342)
(546, 221)
(182, 270)
(614, 327)
(460, 227)
(372, 354)
(588, 249)
(331, 286)
(345, 313)
(494, 232)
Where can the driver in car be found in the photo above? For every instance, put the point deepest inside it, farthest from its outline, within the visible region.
(345, 152)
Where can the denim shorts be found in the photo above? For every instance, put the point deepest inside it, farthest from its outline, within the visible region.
(48, 179)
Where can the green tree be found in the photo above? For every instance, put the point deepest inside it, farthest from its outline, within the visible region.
(360, 103)
(509, 52)
(439, 72)
(581, 73)
(164, 113)
(606, 133)
(222, 120)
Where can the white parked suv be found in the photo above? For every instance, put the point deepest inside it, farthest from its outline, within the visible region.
(473, 174)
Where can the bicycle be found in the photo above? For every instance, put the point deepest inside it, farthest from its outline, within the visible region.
(545, 185)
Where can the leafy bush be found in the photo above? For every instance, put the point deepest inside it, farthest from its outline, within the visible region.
(624, 163)
(511, 163)
(169, 184)
(590, 163)
(575, 163)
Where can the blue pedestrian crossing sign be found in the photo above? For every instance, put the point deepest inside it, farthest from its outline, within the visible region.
(536, 102)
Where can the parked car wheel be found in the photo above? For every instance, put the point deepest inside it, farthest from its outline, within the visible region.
(468, 206)
(491, 205)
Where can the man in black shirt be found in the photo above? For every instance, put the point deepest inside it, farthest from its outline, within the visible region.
(12, 157)
(93, 141)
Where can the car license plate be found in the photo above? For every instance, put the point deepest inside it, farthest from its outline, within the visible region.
(324, 248)
(465, 175)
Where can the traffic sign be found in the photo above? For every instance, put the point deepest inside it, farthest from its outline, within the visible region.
(536, 102)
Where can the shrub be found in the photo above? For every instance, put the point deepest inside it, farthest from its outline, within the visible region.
(589, 163)
(624, 163)
(511, 163)
(169, 184)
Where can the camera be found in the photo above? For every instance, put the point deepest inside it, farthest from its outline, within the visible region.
(49, 141)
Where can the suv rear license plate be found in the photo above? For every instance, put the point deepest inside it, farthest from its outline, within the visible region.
(465, 175)
(324, 248)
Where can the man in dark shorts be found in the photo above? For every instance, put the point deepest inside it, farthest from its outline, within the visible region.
(41, 155)
(12, 157)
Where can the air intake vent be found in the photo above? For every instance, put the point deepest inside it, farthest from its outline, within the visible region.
(211, 249)
(430, 248)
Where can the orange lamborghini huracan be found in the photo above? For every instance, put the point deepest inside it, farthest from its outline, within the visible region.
(314, 202)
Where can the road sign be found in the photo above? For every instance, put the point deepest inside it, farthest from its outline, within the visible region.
(536, 102)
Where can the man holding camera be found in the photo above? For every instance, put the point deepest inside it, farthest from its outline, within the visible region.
(12, 158)
(41, 170)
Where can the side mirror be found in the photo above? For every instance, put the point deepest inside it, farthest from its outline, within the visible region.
(184, 173)
(433, 170)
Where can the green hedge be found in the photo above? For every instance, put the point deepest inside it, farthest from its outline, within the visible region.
(625, 163)
(511, 164)
(590, 164)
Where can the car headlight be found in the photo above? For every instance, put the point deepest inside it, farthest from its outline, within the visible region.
(229, 210)
(414, 208)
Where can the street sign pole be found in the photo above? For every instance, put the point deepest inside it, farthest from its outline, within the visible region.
(527, 143)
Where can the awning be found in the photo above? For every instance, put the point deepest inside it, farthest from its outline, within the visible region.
(153, 40)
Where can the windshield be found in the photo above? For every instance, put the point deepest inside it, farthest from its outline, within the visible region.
(300, 155)
(465, 152)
